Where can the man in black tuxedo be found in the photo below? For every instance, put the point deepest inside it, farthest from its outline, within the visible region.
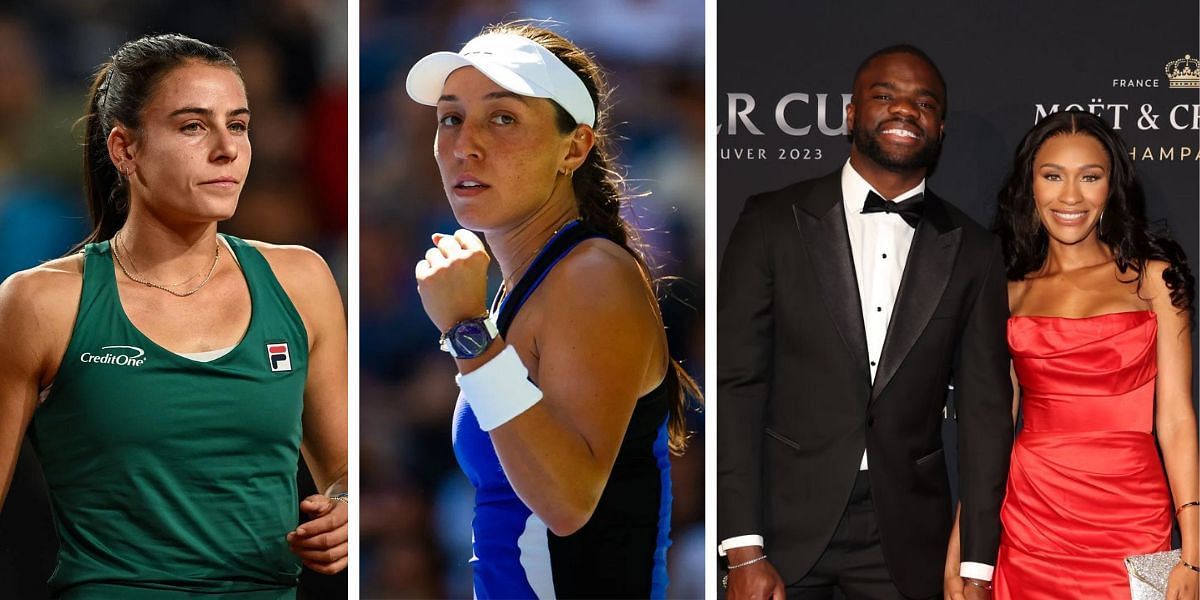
(846, 305)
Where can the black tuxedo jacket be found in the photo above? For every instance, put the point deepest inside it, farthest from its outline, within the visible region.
(796, 405)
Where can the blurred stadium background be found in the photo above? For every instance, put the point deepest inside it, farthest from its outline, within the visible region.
(416, 504)
(293, 54)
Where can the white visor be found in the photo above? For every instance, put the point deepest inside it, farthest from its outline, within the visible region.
(515, 63)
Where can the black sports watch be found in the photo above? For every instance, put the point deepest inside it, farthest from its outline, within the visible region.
(470, 337)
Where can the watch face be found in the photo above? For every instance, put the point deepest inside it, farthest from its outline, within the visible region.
(470, 338)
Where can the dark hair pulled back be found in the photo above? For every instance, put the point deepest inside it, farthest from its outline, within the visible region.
(600, 190)
(119, 92)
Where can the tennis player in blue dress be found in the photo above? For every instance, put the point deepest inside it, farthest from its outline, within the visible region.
(570, 404)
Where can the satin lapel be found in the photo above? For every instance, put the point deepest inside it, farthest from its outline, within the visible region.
(930, 262)
(822, 225)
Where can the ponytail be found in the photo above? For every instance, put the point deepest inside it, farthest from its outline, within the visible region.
(105, 189)
(600, 193)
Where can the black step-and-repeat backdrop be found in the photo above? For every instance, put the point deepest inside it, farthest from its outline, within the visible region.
(784, 74)
(785, 71)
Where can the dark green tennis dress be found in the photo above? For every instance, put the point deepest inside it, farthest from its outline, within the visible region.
(168, 477)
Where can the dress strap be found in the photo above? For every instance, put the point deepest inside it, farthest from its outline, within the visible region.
(555, 249)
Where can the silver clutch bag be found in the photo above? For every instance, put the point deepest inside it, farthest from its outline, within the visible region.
(1148, 574)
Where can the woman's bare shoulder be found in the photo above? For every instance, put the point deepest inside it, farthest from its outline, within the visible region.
(1154, 288)
(308, 281)
(40, 303)
(599, 268)
(1016, 292)
(49, 283)
(299, 269)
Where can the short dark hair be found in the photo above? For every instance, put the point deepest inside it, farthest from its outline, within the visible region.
(912, 51)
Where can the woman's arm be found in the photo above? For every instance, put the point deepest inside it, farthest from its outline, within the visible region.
(1016, 387)
(596, 329)
(1175, 420)
(1016, 292)
(952, 582)
(37, 313)
(593, 332)
(18, 377)
(953, 586)
(322, 541)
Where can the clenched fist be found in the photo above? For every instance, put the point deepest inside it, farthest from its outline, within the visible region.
(452, 279)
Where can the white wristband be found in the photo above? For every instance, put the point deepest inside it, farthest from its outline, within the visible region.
(740, 541)
(499, 390)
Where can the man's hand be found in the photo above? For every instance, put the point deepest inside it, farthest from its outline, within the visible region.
(758, 581)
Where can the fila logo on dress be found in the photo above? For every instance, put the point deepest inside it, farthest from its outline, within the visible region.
(277, 354)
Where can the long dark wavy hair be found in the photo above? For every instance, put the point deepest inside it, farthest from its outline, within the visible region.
(1124, 229)
(600, 192)
(119, 91)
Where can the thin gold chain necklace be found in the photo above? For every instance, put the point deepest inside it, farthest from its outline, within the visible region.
(506, 283)
(117, 240)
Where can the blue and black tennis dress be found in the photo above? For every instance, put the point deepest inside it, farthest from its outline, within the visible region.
(622, 551)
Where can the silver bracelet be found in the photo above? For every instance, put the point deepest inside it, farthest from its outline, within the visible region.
(725, 579)
(343, 497)
(747, 563)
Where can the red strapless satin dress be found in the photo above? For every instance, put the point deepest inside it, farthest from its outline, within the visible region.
(1086, 487)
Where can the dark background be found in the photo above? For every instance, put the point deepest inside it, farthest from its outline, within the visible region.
(293, 56)
(1000, 60)
(417, 505)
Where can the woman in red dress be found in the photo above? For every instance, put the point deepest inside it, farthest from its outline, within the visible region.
(1100, 339)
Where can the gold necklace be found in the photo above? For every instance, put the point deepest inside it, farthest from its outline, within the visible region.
(506, 283)
(167, 289)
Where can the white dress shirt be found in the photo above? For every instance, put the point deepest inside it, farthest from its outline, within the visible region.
(879, 244)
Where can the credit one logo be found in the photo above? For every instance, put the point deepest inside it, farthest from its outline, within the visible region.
(795, 114)
(122, 356)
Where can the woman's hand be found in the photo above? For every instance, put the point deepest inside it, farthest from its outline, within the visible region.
(975, 592)
(952, 586)
(452, 278)
(321, 543)
(1182, 584)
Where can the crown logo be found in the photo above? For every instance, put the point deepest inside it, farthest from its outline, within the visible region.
(1184, 72)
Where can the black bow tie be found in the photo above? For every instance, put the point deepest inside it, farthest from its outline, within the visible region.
(909, 209)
